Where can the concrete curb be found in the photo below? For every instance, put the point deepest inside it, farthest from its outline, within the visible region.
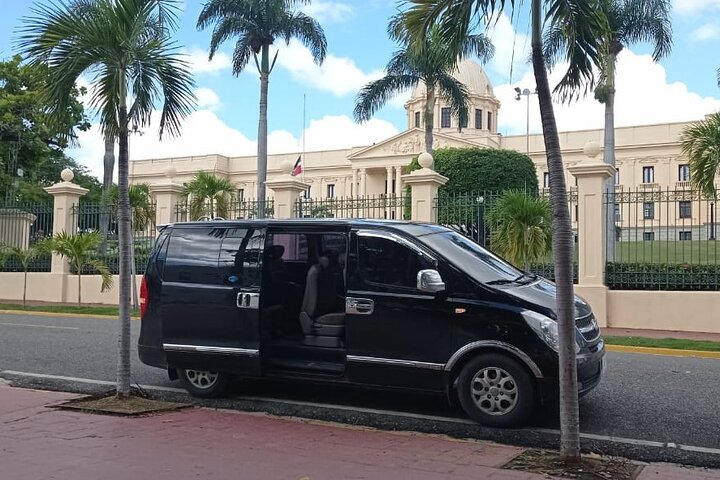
(671, 352)
(58, 314)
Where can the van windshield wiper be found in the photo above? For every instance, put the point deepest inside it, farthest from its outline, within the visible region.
(505, 281)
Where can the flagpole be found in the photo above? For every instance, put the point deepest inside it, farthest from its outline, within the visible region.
(302, 163)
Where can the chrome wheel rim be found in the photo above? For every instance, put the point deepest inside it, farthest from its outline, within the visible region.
(494, 391)
(201, 379)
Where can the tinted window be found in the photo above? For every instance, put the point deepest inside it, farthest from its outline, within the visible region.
(294, 246)
(387, 262)
(193, 255)
(159, 251)
(241, 256)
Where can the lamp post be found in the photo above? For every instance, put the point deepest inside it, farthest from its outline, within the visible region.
(481, 219)
(518, 95)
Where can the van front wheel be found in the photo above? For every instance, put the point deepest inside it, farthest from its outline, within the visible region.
(203, 383)
(496, 391)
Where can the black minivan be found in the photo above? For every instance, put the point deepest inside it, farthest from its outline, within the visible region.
(386, 304)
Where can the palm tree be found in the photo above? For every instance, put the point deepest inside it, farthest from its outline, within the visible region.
(79, 251)
(209, 195)
(700, 143)
(126, 48)
(25, 257)
(522, 227)
(455, 18)
(629, 21)
(430, 63)
(257, 23)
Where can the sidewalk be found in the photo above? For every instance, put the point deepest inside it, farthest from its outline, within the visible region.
(39, 443)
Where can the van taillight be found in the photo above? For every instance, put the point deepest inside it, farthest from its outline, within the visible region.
(143, 297)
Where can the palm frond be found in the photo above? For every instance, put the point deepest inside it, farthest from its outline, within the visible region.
(456, 95)
(309, 32)
(375, 94)
(700, 143)
(103, 270)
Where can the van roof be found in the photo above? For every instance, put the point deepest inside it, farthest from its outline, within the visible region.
(410, 227)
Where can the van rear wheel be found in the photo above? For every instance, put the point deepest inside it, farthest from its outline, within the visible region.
(203, 383)
(496, 391)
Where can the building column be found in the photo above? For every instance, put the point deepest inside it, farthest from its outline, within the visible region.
(363, 182)
(424, 183)
(354, 191)
(388, 191)
(591, 177)
(167, 196)
(66, 196)
(398, 193)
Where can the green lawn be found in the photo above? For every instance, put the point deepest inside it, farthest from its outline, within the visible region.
(87, 310)
(692, 251)
(674, 343)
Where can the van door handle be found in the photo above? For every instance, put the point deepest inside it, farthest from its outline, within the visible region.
(248, 300)
(359, 306)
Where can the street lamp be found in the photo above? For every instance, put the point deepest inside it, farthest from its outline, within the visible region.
(518, 95)
(481, 219)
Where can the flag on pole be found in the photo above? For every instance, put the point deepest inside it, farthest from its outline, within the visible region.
(297, 169)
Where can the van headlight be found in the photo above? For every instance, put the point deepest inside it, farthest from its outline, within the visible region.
(546, 328)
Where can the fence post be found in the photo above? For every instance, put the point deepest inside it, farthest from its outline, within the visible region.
(424, 185)
(286, 192)
(65, 196)
(167, 194)
(591, 177)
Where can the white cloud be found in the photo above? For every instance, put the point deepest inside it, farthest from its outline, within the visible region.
(708, 31)
(338, 75)
(512, 49)
(643, 97)
(199, 63)
(207, 98)
(327, 12)
(205, 133)
(692, 7)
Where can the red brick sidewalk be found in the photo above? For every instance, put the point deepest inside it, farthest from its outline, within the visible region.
(38, 443)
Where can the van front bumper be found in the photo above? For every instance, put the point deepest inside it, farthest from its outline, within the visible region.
(591, 366)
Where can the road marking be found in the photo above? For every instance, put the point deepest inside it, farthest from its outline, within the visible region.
(38, 326)
(671, 352)
(64, 315)
(417, 416)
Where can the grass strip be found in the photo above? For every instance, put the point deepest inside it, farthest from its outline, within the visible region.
(83, 309)
(674, 343)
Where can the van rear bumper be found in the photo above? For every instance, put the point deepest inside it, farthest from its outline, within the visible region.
(153, 356)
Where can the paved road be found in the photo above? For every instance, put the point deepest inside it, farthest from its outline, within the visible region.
(660, 399)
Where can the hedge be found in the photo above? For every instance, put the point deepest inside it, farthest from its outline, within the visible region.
(662, 276)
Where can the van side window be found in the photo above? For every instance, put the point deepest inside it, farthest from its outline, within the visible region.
(193, 255)
(386, 262)
(241, 256)
(294, 246)
(159, 251)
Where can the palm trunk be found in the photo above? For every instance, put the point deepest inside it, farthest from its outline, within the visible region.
(79, 283)
(262, 125)
(562, 250)
(25, 289)
(108, 167)
(123, 366)
(609, 158)
(429, 117)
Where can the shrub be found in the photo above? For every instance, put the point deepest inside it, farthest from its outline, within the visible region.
(662, 276)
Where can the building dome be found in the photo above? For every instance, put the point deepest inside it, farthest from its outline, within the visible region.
(470, 74)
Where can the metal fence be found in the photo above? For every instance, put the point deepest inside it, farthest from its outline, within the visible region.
(665, 240)
(102, 218)
(467, 213)
(235, 210)
(21, 226)
(390, 207)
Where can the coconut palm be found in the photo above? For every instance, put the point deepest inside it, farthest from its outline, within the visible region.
(125, 47)
(700, 143)
(430, 63)
(257, 24)
(140, 205)
(455, 18)
(629, 21)
(79, 251)
(25, 257)
(522, 227)
(209, 195)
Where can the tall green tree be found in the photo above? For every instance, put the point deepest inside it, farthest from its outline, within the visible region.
(700, 143)
(431, 63)
(455, 18)
(522, 231)
(209, 195)
(125, 47)
(629, 21)
(79, 250)
(29, 137)
(257, 24)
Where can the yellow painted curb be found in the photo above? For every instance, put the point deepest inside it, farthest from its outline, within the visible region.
(673, 352)
(58, 314)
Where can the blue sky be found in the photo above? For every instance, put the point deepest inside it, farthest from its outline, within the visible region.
(682, 87)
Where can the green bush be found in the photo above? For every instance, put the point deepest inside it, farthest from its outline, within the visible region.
(662, 276)
(480, 169)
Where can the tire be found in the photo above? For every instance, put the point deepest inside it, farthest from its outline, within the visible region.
(202, 383)
(503, 393)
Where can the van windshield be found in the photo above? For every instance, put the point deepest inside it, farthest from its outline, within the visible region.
(482, 265)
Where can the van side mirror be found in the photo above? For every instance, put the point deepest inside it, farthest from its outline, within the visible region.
(430, 281)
